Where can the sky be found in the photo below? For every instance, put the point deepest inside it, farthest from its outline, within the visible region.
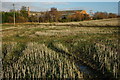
(59, 0)
(110, 7)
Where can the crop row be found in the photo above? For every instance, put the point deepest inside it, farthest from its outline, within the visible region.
(37, 61)
(103, 54)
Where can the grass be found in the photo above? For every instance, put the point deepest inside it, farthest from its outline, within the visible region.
(40, 62)
(31, 48)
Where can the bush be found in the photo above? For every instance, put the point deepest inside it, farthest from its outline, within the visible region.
(20, 19)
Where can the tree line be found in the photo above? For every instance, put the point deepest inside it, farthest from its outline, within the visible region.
(104, 15)
(21, 16)
(51, 16)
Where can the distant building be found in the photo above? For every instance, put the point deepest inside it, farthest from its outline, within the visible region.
(70, 12)
(53, 9)
(63, 13)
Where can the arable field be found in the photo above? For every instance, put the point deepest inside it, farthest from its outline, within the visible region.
(85, 50)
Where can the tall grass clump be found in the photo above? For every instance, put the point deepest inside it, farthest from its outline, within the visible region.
(102, 56)
(38, 61)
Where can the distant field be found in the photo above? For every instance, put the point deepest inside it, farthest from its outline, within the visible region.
(56, 50)
(90, 23)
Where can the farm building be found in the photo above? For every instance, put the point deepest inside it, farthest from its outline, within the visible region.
(63, 13)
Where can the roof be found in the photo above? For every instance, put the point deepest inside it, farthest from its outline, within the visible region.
(66, 12)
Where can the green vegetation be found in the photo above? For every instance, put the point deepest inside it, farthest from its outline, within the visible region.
(23, 15)
(53, 50)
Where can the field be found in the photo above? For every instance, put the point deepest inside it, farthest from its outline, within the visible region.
(82, 50)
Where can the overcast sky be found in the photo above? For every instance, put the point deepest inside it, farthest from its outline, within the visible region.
(111, 7)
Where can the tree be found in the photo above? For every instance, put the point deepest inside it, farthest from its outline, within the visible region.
(10, 19)
(33, 19)
(41, 19)
(12, 10)
(65, 18)
(23, 8)
(55, 16)
(6, 17)
(111, 15)
(24, 12)
(100, 15)
(71, 17)
(47, 17)
(78, 16)
(21, 16)
(20, 19)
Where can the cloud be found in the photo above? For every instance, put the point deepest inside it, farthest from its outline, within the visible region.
(59, 0)
(7, 6)
(52, 3)
(49, 3)
(34, 6)
(45, 6)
